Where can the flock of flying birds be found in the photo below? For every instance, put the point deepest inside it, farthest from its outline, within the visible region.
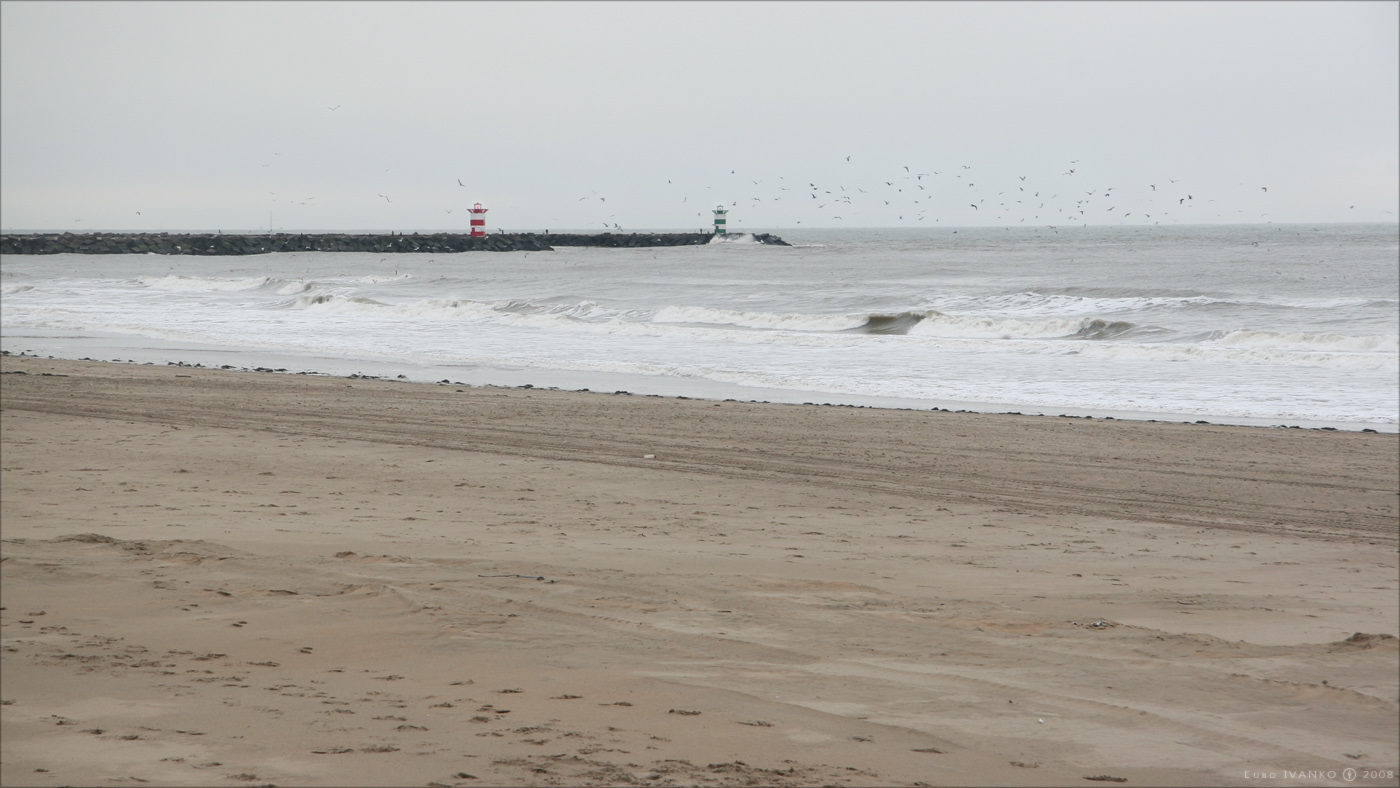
(910, 196)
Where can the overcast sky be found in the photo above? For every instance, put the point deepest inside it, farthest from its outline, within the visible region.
(365, 116)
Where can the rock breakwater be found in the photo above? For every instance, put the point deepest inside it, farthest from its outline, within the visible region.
(238, 244)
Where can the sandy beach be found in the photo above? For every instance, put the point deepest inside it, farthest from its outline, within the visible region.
(215, 577)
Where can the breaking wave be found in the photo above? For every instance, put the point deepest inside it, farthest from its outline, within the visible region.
(1270, 340)
(194, 284)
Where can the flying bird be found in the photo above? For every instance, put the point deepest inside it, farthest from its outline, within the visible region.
(974, 207)
(386, 199)
(1265, 188)
(459, 182)
(333, 109)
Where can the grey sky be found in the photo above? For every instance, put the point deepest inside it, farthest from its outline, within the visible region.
(211, 115)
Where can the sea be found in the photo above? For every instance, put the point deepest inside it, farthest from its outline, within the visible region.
(1266, 325)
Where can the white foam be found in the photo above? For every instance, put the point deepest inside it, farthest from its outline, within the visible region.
(1034, 304)
(970, 327)
(193, 284)
(768, 320)
(733, 238)
(1271, 340)
(295, 286)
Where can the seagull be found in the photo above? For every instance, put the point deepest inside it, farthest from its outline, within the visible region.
(1173, 180)
(848, 158)
(1265, 188)
(974, 207)
(386, 199)
(445, 209)
(333, 109)
(1153, 185)
(459, 182)
(1023, 177)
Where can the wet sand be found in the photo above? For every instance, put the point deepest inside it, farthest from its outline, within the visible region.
(229, 578)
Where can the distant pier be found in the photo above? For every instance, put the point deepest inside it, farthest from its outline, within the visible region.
(431, 243)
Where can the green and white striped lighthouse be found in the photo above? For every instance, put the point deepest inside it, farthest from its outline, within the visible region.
(720, 211)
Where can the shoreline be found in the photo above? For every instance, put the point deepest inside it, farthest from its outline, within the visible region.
(907, 454)
(153, 353)
(215, 576)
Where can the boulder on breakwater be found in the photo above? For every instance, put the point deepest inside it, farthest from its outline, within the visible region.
(241, 244)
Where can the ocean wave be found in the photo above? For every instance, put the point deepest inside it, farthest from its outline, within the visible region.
(338, 302)
(195, 284)
(1216, 354)
(1032, 303)
(766, 320)
(460, 309)
(13, 289)
(374, 279)
(295, 286)
(971, 327)
(1272, 340)
(734, 238)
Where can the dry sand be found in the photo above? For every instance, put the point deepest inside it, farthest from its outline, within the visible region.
(228, 578)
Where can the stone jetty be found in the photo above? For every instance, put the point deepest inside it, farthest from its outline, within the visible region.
(432, 243)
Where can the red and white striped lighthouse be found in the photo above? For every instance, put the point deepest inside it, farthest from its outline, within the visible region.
(478, 220)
